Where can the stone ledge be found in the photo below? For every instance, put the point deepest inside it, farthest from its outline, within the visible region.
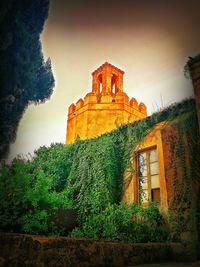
(31, 250)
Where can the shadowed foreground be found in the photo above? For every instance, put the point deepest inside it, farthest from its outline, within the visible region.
(29, 250)
(170, 264)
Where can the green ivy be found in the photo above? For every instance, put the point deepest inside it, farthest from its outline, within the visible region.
(184, 209)
(87, 176)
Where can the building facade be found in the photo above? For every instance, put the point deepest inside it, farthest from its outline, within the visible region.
(103, 109)
(165, 164)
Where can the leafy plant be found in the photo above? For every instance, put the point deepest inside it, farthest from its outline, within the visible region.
(28, 198)
(124, 222)
(88, 176)
(25, 76)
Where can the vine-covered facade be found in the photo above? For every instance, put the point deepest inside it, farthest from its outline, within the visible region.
(153, 161)
(161, 165)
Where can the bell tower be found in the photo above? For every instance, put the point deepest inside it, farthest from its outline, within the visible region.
(107, 79)
(105, 107)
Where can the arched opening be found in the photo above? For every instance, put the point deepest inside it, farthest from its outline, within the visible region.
(114, 84)
(100, 87)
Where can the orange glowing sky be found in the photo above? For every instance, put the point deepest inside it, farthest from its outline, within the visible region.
(149, 40)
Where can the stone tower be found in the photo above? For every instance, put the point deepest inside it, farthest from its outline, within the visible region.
(104, 108)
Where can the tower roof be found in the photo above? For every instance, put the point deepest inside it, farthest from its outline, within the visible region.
(106, 64)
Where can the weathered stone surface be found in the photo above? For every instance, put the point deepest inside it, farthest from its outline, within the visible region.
(104, 108)
(27, 250)
(2, 261)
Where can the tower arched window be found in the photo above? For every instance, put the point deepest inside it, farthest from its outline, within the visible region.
(100, 87)
(114, 84)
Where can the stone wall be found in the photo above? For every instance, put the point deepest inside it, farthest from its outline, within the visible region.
(29, 250)
(102, 110)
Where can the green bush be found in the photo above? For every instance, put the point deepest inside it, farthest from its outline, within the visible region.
(28, 197)
(14, 184)
(124, 222)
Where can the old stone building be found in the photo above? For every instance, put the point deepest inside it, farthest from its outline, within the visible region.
(162, 167)
(107, 107)
(103, 109)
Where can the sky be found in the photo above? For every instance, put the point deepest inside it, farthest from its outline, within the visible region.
(149, 40)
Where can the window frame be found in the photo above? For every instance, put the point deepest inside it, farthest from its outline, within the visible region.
(147, 150)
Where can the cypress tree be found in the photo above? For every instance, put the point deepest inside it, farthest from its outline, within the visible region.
(25, 77)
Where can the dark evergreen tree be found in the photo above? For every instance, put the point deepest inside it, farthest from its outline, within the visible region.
(24, 75)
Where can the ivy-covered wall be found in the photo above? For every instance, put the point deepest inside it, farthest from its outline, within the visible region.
(181, 144)
(177, 143)
(88, 176)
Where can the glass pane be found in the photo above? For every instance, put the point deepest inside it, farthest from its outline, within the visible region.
(143, 182)
(154, 168)
(142, 155)
(153, 155)
(144, 196)
(155, 183)
(142, 164)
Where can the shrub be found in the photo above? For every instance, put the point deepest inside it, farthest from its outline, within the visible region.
(124, 222)
(28, 199)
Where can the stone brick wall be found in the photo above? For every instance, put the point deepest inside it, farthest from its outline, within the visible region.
(29, 250)
(102, 110)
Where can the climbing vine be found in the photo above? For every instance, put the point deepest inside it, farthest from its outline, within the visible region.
(183, 208)
(88, 176)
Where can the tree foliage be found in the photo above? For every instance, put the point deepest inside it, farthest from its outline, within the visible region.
(30, 191)
(25, 76)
